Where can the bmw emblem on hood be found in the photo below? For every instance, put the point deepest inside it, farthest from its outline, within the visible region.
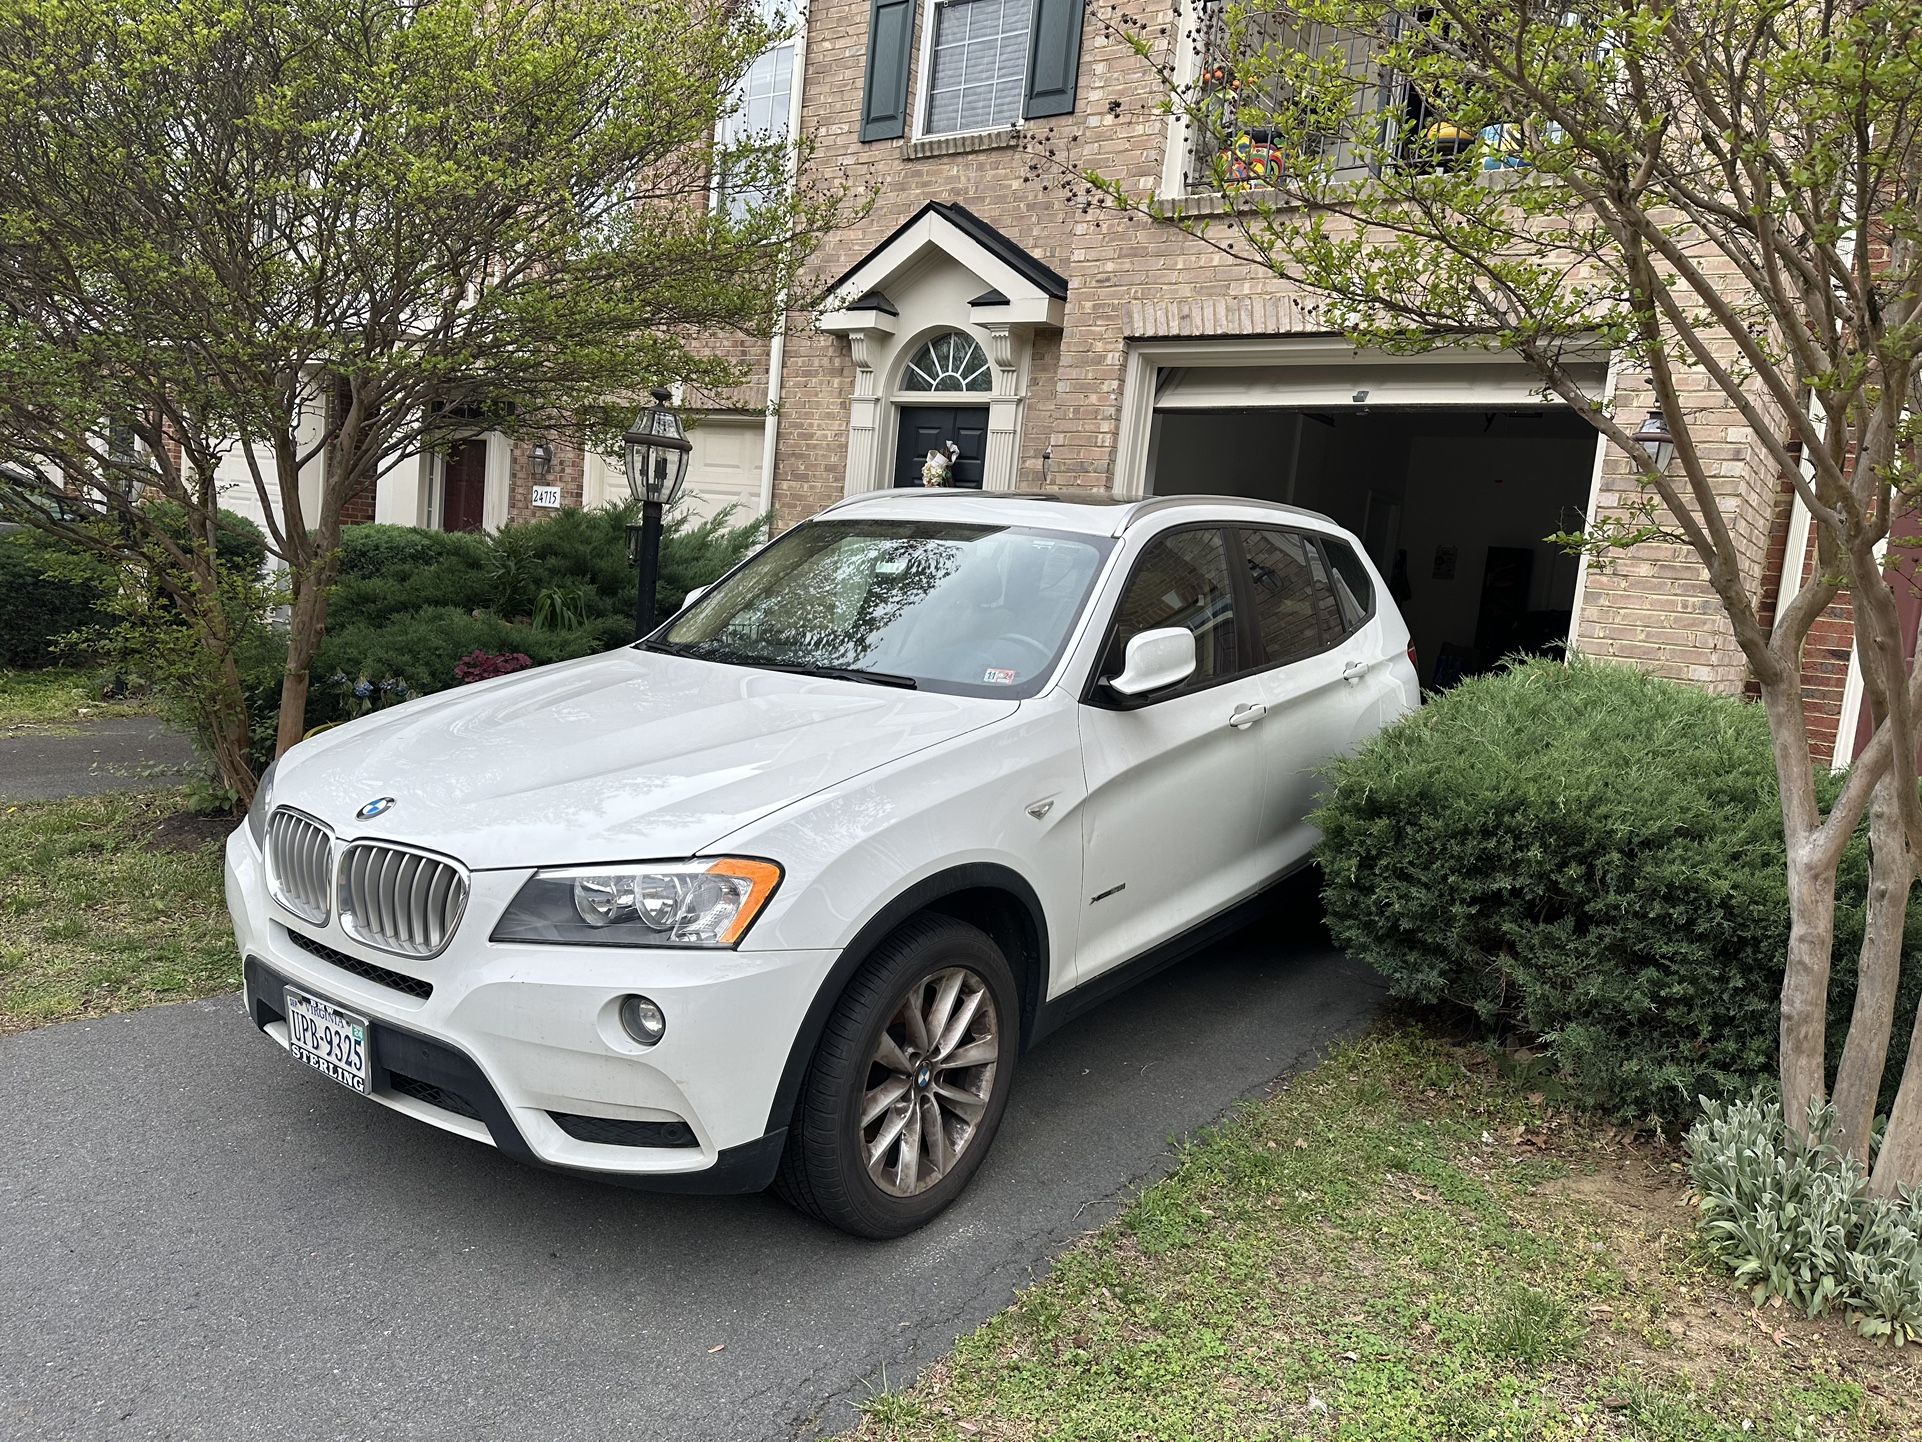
(377, 807)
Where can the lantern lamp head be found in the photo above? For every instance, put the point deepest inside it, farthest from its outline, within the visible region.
(657, 448)
(1657, 440)
(541, 458)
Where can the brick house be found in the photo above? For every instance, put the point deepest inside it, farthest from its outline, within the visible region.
(1060, 346)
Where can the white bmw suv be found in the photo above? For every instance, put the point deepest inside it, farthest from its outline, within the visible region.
(781, 893)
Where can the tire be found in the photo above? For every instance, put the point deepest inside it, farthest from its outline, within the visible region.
(858, 1065)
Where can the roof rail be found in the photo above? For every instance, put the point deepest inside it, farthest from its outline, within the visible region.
(1154, 505)
(1071, 498)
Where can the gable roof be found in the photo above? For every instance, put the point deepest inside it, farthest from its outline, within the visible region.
(1037, 276)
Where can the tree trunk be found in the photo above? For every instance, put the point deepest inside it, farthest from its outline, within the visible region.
(1811, 886)
(305, 629)
(230, 733)
(226, 728)
(1858, 1080)
(1899, 1165)
(1805, 985)
(313, 583)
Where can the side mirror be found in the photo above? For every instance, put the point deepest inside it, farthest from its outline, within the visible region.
(1155, 661)
(694, 595)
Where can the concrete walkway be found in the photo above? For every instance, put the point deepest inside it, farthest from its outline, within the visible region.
(117, 753)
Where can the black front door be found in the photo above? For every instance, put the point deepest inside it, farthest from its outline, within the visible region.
(928, 428)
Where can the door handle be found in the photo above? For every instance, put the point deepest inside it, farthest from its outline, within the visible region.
(1246, 714)
(1354, 671)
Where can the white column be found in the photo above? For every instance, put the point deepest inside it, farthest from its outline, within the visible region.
(1002, 460)
(864, 416)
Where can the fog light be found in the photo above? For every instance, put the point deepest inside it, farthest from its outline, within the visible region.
(642, 1020)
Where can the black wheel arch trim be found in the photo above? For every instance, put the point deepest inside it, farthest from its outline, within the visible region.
(1031, 973)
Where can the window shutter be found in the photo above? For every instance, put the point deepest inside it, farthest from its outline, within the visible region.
(884, 106)
(1054, 57)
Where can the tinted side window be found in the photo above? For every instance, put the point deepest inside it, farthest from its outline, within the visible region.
(1294, 603)
(1181, 580)
(1354, 592)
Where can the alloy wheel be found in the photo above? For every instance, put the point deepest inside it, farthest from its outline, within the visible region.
(929, 1081)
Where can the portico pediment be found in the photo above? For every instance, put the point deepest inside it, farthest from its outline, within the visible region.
(1016, 288)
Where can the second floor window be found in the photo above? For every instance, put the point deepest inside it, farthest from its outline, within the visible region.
(760, 117)
(977, 65)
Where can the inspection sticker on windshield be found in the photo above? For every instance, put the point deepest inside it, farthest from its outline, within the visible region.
(998, 676)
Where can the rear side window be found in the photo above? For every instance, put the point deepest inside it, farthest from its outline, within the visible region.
(1181, 580)
(1294, 602)
(1354, 592)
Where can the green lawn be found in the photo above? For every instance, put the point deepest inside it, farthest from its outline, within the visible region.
(97, 916)
(1397, 1246)
(55, 700)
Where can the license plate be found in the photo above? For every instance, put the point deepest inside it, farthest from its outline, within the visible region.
(331, 1041)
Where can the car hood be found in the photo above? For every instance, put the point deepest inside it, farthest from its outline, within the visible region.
(632, 755)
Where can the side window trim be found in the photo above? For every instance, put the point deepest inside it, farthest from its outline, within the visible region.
(1094, 693)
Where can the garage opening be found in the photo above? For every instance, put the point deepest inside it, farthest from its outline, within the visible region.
(1453, 502)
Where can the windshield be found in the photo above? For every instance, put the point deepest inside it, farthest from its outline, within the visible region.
(972, 610)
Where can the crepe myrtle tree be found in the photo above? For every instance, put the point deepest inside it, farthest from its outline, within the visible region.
(1726, 194)
(323, 236)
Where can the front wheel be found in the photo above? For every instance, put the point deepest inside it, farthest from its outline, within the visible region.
(908, 1084)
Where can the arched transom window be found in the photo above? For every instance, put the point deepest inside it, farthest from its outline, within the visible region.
(948, 362)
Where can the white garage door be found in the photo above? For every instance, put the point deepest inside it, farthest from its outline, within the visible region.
(725, 468)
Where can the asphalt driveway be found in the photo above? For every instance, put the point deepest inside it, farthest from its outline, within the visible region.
(114, 753)
(199, 1241)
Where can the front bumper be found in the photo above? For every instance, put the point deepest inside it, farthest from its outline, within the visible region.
(521, 1046)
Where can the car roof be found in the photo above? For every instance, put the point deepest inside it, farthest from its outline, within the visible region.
(1089, 512)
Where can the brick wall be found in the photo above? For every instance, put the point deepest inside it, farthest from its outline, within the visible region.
(564, 472)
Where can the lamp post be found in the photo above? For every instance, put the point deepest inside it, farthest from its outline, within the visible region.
(1657, 440)
(657, 449)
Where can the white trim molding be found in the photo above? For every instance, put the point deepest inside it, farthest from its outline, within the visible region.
(867, 332)
(1325, 371)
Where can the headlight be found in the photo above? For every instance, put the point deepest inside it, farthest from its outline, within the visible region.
(645, 903)
(263, 803)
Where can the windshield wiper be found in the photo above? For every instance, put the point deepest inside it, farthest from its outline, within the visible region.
(833, 673)
(841, 673)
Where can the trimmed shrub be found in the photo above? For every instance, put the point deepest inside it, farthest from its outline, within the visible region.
(1588, 858)
(1791, 1217)
(421, 650)
(47, 591)
(375, 552)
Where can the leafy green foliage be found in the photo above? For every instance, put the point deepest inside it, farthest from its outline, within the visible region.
(1791, 1216)
(375, 552)
(47, 591)
(239, 544)
(561, 608)
(1590, 858)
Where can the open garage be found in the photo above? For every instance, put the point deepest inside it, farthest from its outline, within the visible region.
(1453, 474)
